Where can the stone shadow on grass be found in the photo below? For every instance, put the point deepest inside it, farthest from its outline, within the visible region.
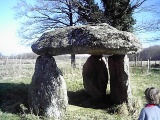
(14, 99)
(13, 96)
(82, 99)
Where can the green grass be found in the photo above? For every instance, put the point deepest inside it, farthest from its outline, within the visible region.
(14, 90)
(140, 80)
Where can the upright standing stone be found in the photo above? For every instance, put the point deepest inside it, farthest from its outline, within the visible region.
(47, 92)
(119, 78)
(94, 39)
(95, 76)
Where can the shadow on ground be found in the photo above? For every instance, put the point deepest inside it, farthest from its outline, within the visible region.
(82, 99)
(12, 96)
(15, 96)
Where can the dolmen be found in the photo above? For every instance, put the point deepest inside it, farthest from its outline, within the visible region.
(48, 93)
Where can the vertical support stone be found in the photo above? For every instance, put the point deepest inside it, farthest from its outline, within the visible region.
(119, 79)
(95, 77)
(47, 92)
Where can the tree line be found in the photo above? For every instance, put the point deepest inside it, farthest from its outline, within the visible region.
(152, 52)
(20, 56)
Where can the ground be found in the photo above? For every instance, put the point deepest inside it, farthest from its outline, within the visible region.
(15, 77)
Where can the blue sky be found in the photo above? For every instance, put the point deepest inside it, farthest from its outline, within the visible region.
(148, 16)
(10, 43)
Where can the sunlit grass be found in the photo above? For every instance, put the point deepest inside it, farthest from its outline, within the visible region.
(14, 91)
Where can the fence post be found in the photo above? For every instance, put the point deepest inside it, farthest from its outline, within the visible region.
(149, 64)
(141, 63)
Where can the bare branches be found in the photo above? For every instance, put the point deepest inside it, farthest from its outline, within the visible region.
(137, 4)
(150, 26)
(44, 15)
(148, 21)
(153, 8)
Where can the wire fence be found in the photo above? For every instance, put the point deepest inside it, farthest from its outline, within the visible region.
(16, 68)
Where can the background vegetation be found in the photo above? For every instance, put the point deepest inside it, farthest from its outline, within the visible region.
(146, 53)
(16, 74)
(46, 15)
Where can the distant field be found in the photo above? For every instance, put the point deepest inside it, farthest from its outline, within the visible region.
(16, 74)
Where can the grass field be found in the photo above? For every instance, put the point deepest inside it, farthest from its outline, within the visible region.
(15, 77)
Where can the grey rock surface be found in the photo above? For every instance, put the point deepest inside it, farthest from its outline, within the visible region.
(47, 93)
(87, 39)
(95, 77)
(120, 89)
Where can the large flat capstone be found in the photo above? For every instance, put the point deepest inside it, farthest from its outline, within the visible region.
(87, 39)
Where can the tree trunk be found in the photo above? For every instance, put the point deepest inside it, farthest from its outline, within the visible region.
(73, 61)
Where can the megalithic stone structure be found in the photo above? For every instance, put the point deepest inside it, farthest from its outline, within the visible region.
(97, 39)
(47, 92)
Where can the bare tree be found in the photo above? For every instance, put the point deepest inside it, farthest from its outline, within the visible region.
(45, 15)
(148, 24)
